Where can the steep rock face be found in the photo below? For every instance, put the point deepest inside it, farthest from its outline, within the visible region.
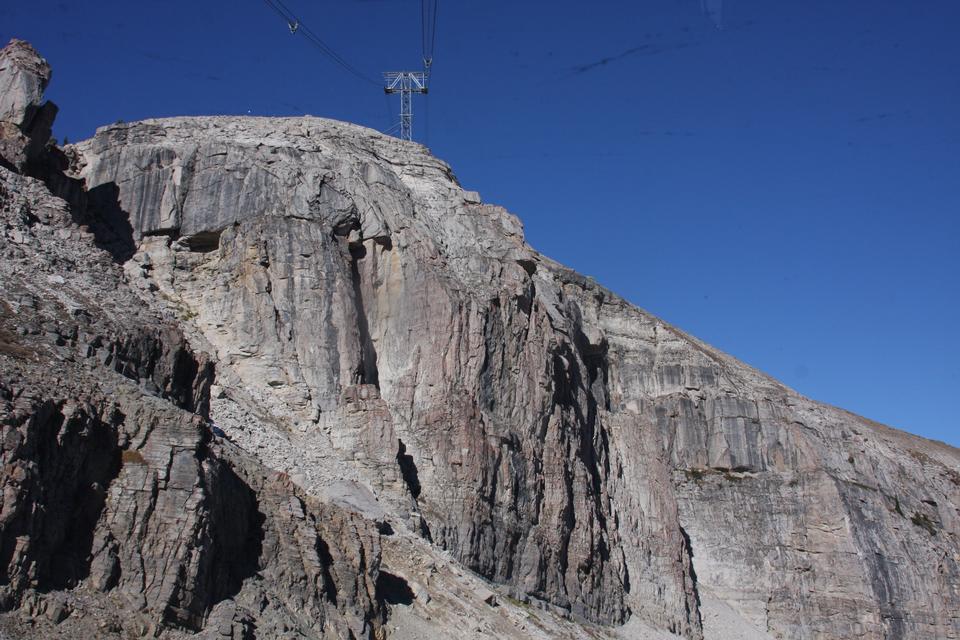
(322, 283)
(24, 76)
(811, 521)
(120, 512)
(554, 438)
(318, 274)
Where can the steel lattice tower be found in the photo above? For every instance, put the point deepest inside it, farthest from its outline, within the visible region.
(406, 83)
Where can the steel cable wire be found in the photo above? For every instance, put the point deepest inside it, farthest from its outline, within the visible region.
(297, 26)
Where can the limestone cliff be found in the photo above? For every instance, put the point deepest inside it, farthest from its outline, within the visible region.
(287, 377)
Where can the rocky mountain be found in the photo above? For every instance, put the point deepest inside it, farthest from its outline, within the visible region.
(285, 378)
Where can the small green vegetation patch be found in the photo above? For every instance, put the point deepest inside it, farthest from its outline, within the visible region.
(922, 521)
(695, 474)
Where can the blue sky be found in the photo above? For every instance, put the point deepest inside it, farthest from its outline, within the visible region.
(780, 179)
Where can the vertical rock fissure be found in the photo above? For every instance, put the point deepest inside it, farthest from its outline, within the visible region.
(408, 469)
(367, 372)
(694, 583)
(236, 529)
(326, 563)
(84, 448)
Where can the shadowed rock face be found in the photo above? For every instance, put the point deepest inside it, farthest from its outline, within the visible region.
(392, 361)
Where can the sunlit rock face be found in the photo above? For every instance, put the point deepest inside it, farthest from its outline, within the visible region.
(25, 120)
(334, 393)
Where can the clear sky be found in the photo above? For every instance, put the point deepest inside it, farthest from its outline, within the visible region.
(780, 179)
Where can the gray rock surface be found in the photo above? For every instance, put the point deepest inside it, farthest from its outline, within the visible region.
(115, 491)
(420, 427)
(24, 76)
(25, 120)
(549, 435)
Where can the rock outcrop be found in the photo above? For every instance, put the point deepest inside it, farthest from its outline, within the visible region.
(304, 382)
(25, 121)
(113, 481)
(122, 512)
